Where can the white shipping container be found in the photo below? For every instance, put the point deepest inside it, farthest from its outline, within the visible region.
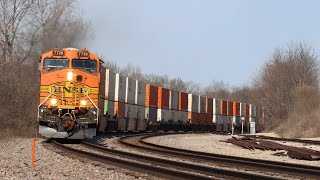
(142, 122)
(110, 85)
(151, 114)
(130, 90)
(216, 106)
(140, 97)
(120, 94)
(217, 119)
(193, 103)
(184, 117)
(242, 109)
(132, 117)
(164, 115)
(202, 104)
(174, 100)
(176, 116)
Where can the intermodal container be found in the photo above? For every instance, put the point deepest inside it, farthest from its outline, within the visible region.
(151, 96)
(164, 115)
(130, 91)
(209, 118)
(216, 106)
(151, 114)
(252, 111)
(242, 109)
(202, 104)
(109, 109)
(193, 103)
(174, 100)
(224, 108)
(216, 119)
(230, 108)
(110, 85)
(236, 109)
(119, 110)
(183, 101)
(140, 98)
(247, 109)
(209, 106)
(142, 122)
(163, 98)
(131, 114)
(175, 116)
(194, 118)
(120, 90)
(203, 118)
(184, 117)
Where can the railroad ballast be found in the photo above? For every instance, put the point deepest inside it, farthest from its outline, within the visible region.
(79, 96)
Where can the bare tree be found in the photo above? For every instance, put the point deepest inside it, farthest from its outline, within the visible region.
(217, 90)
(289, 68)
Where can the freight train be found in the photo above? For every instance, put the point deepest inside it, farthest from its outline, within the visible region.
(80, 97)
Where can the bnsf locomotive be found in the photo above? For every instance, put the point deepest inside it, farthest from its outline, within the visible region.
(79, 97)
(69, 93)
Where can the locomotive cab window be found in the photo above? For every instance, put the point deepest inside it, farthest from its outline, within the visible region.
(53, 63)
(90, 65)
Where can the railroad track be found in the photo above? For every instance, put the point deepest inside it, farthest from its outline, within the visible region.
(284, 139)
(158, 166)
(294, 170)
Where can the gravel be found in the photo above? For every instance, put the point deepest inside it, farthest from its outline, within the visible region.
(15, 163)
(213, 143)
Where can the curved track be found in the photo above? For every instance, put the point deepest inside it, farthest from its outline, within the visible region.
(284, 139)
(139, 142)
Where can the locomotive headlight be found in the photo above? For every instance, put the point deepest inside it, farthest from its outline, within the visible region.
(83, 102)
(53, 101)
(69, 76)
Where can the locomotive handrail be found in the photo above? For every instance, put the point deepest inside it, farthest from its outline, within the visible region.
(95, 107)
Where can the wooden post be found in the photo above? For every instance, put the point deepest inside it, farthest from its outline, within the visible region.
(33, 148)
(36, 134)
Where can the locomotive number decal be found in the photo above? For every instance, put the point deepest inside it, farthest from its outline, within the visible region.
(57, 53)
(83, 53)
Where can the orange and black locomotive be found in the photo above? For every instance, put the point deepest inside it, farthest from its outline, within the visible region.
(69, 92)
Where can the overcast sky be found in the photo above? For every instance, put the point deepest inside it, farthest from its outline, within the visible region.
(199, 40)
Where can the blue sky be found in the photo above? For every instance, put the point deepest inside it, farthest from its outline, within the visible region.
(199, 40)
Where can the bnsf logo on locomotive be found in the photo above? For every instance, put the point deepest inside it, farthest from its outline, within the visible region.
(70, 89)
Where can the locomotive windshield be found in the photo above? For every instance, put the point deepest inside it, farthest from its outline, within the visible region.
(84, 64)
(56, 63)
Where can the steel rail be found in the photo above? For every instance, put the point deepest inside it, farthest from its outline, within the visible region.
(209, 171)
(156, 170)
(210, 157)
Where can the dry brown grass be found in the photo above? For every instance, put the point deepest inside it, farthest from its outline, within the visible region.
(19, 99)
(303, 120)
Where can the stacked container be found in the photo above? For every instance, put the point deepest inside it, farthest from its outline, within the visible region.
(236, 113)
(119, 104)
(140, 101)
(151, 104)
(217, 117)
(174, 107)
(130, 106)
(209, 112)
(193, 109)
(164, 115)
(107, 102)
(203, 111)
(183, 107)
(224, 113)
